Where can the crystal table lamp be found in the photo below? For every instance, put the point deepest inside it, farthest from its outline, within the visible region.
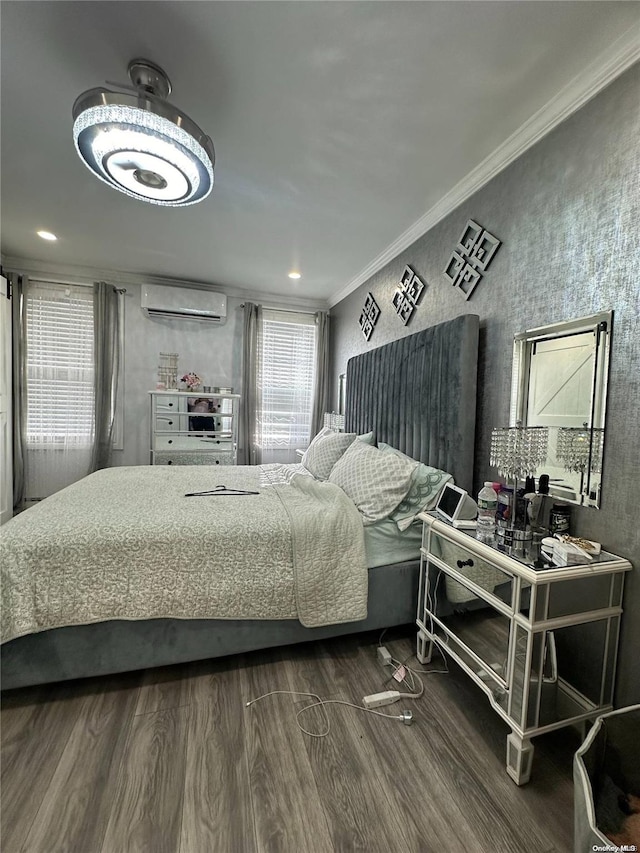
(580, 450)
(517, 452)
(334, 421)
(575, 446)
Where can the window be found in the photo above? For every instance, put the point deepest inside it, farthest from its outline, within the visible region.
(59, 364)
(286, 376)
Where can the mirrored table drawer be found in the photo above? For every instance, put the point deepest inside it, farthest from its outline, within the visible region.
(473, 569)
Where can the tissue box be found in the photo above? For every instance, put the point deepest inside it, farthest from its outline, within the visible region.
(566, 554)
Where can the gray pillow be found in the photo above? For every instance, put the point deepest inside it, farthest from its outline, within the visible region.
(324, 451)
(376, 482)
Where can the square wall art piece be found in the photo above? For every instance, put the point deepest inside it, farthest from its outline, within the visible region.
(471, 258)
(408, 294)
(369, 316)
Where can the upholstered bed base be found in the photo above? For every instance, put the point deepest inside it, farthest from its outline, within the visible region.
(119, 646)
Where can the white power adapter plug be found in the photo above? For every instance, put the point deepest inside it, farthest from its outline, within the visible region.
(375, 700)
(384, 656)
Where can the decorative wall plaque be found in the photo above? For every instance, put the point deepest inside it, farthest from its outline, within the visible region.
(471, 257)
(369, 316)
(408, 294)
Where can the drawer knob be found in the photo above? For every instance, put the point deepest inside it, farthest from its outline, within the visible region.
(463, 563)
(170, 423)
(169, 462)
(217, 461)
(170, 441)
(170, 404)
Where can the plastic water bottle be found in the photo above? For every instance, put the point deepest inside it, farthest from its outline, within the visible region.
(487, 506)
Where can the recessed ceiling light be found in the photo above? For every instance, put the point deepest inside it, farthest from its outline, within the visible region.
(46, 235)
(294, 275)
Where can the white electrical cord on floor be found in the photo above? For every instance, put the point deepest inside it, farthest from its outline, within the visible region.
(413, 670)
(411, 676)
(323, 703)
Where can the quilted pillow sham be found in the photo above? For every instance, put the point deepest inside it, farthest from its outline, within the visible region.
(324, 451)
(424, 489)
(376, 482)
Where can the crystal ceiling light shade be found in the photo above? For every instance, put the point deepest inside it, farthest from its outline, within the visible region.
(138, 143)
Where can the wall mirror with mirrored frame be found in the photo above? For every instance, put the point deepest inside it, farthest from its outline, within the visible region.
(559, 380)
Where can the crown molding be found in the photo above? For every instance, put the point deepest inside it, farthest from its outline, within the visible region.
(609, 64)
(72, 274)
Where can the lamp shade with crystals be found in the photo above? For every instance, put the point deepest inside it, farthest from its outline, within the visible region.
(518, 451)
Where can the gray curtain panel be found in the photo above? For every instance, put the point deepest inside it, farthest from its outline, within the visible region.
(321, 391)
(248, 452)
(106, 348)
(19, 401)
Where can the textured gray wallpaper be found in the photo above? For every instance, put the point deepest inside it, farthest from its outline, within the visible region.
(213, 352)
(567, 213)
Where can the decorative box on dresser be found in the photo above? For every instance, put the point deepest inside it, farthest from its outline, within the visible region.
(193, 428)
(540, 640)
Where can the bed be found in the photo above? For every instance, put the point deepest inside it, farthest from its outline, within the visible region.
(416, 394)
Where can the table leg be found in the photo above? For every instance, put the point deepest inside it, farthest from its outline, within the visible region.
(424, 648)
(519, 758)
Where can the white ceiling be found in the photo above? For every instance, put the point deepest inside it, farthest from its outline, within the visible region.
(342, 130)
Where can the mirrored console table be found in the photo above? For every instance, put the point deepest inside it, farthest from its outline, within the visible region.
(541, 641)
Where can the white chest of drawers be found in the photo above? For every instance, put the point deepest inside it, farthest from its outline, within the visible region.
(193, 428)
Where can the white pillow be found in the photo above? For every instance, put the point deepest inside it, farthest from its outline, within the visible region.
(424, 490)
(376, 482)
(324, 451)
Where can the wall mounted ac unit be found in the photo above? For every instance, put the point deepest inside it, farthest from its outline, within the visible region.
(183, 303)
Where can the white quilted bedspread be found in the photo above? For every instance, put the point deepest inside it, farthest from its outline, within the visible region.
(125, 543)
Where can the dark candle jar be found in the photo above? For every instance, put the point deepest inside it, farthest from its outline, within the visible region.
(559, 519)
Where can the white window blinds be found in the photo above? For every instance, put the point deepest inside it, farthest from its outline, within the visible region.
(60, 364)
(286, 377)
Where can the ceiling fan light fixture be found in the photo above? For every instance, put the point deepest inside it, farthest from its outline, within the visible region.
(141, 145)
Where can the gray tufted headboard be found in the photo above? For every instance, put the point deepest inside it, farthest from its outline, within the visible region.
(418, 394)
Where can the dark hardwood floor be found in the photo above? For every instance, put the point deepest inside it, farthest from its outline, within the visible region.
(173, 760)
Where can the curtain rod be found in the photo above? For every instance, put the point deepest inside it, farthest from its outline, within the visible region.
(51, 280)
(288, 310)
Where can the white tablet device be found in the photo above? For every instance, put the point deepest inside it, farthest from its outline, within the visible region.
(457, 506)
